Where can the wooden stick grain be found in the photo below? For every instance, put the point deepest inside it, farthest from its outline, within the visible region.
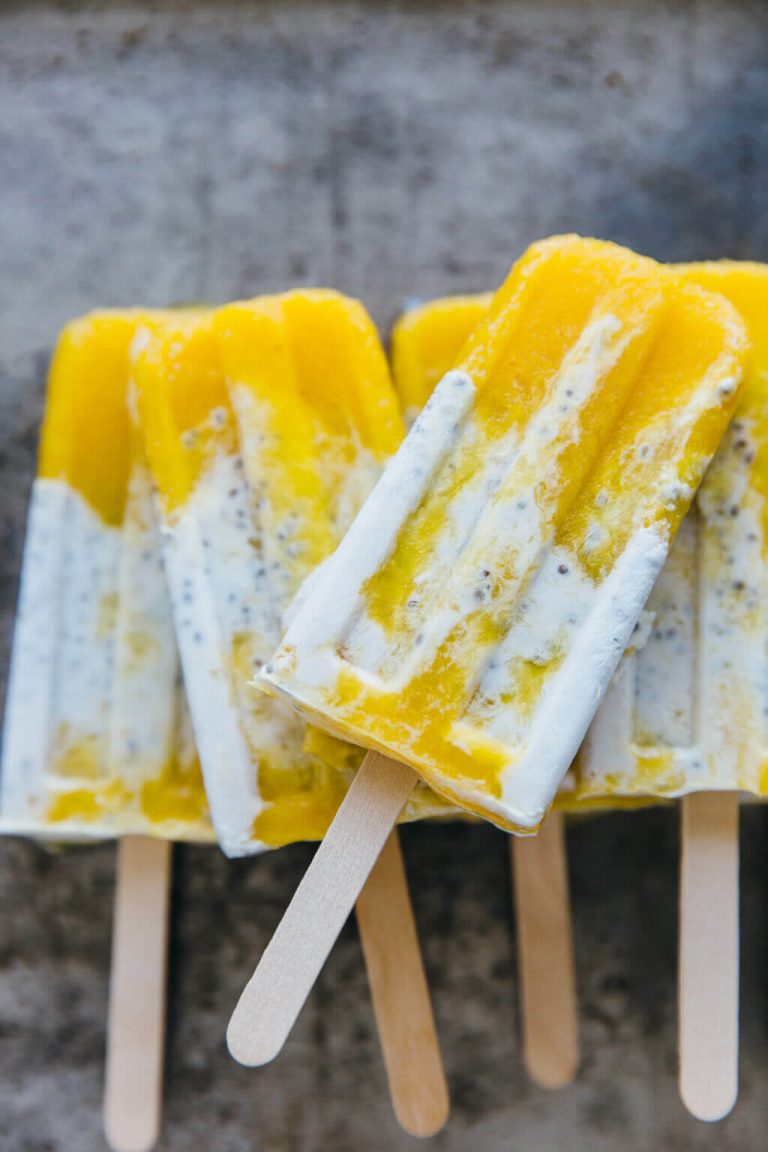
(400, 996)
(549, 1009)
(708, 962)
(291, 963)
(137, 995)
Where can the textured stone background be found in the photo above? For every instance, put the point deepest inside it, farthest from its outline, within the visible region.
(198, 151)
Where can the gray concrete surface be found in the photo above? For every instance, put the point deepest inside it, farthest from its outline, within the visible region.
(177, 151)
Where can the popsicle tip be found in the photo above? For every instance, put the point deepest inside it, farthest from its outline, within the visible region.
(709, 1103)
(424, 1118)
(557, 1072)
(251, 1045)
(131, 1130)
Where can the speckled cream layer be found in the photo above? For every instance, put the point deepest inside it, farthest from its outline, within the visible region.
(95, 704)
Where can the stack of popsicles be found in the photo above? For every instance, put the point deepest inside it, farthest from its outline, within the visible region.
(470, 621)
(685, 713)
(98, 742)
(224, 503)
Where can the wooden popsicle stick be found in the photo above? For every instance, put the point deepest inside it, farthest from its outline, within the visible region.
(291, 963)
(400, 996)
(708, 962)
(545, 955)
(137, 995)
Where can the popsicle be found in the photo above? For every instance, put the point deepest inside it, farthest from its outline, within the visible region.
(426, 340)
(468, 624)
(96, 742)
(686, 712)
(94, 709)
(265, 424)
(685, 715)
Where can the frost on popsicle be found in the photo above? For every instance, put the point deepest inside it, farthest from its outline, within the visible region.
(472, 617)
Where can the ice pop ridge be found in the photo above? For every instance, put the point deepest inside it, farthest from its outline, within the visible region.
(471, 619)
(687, 711)
(266, 424)
(95, 737)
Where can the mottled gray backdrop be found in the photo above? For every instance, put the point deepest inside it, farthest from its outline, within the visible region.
(169, 152)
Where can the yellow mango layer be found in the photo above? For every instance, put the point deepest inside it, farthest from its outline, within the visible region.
(608, 381)
(173, 804)
(179, 385)
(84, 437)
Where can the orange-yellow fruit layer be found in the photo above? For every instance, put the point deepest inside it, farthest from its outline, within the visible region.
(84, 438)
(179, 386)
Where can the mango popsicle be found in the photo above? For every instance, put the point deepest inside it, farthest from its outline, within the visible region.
(265, 424)
(426, 340)
(97, 738)
(96, 741)
(317, 418)
(690, 690)
(255, 485)
(685, 715)
(686, 709)
(473, 615)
